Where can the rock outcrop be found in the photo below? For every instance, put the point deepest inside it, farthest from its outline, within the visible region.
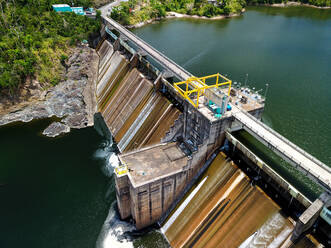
(72, 100)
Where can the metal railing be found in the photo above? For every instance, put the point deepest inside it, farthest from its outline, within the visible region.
(128, 34)
(132, 51)
(282, 138)
(270, 171)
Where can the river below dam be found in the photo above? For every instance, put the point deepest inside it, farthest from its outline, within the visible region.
(60, 193)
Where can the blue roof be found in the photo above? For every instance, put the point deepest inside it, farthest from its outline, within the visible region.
(78, 10)
(61, 8)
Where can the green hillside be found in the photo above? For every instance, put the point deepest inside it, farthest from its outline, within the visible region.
(34, 39)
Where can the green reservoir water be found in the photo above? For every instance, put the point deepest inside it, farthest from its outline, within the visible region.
(288, 48)
(53, 192)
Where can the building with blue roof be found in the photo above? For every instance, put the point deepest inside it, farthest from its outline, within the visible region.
(78, 10)
(61, 8)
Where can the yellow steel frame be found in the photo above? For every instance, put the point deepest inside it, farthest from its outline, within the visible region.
(198, 85)
(122, 169)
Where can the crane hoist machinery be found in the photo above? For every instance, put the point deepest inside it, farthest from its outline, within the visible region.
(212, 91)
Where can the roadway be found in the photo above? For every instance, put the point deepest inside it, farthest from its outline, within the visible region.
(171, 66)
(105, 10)
(314, 168)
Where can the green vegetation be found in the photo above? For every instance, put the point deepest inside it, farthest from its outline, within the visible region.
(135, 11)
(34, 40)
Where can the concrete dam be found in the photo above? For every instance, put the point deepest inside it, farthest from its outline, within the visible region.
(174, 140)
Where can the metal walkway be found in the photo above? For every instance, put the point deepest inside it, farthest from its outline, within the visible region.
(177, 70)
(303, 161)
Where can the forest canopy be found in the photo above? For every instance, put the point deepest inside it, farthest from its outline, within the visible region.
(34, 39)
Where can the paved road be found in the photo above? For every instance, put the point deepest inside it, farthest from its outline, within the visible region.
(315, 168)
(104, 9)
(180, 72)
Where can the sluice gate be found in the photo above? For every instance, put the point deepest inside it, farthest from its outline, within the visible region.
(165, 140)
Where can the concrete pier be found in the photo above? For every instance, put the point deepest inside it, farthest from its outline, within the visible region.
(155, 177)
(309, 217)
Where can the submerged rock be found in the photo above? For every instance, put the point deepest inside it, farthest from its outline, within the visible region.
(72, 99)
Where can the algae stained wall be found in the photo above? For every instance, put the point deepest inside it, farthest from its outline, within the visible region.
(228, 211)
(136, 114)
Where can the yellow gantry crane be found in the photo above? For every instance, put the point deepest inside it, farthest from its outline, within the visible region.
(197, 86)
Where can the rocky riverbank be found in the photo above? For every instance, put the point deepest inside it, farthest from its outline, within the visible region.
(72, 100)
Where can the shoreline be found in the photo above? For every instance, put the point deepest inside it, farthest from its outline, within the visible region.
(173, 15)
(291, 4)
(71, 102)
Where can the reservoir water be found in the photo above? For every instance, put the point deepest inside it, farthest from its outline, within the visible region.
(57, 193)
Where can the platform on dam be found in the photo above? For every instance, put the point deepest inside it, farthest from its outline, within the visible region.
(246, 99)
(154, 162)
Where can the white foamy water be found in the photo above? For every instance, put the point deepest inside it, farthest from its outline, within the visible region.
(114, 232)
(113, 160)
(246, 243)
(107, 154)
(271, 234)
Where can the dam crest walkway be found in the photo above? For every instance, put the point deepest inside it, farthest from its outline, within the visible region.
(290, 152)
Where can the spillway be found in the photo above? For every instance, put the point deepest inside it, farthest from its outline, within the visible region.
(134, 112)
(228, 211)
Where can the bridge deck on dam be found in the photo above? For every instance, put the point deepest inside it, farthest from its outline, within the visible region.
(289, 151)
(178, 71)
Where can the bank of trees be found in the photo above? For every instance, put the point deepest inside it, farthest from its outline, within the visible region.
(135, 11)
(33, 39)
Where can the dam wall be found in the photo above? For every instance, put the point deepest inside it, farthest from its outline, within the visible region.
(263, 170)
(285, 194)
(144, 123)
(149, 189)
(164, 140)
(225, 209)
(135, 113)
(150, 121)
